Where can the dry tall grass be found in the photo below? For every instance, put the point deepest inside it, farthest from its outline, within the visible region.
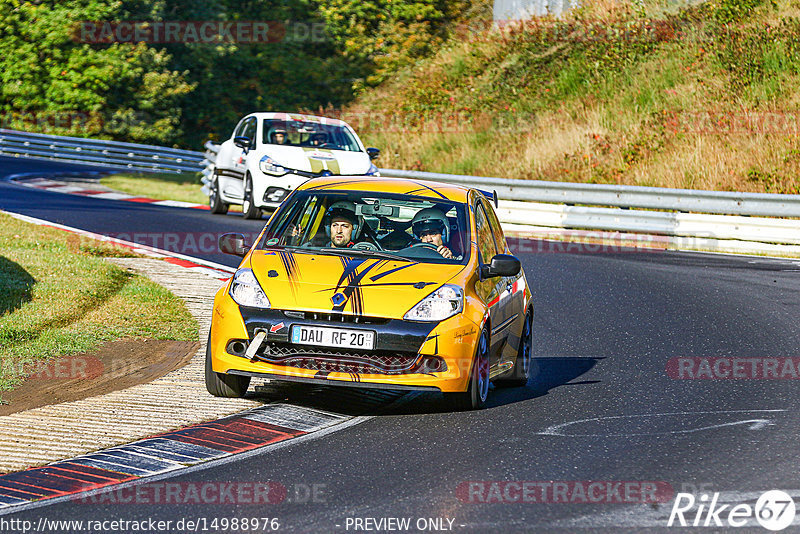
(671, 117)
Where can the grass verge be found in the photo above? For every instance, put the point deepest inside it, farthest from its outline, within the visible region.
(61, 297)
(184, 187)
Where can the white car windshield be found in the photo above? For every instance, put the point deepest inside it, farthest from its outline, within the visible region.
(309, 134)
(363, 223)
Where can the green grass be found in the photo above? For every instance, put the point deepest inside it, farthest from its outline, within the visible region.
(60, 297)
(184, 187)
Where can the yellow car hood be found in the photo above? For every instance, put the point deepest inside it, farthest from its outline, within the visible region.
(366, 286)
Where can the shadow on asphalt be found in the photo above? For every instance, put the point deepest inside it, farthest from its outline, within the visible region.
(550, 373)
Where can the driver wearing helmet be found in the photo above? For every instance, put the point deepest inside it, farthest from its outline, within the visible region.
(318, 139)
(431, 226)
(278, 136)
(342, 224)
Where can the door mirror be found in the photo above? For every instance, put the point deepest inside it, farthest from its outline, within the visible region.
(242, 142)
(233, 244)
(373, 153)
(501, 265)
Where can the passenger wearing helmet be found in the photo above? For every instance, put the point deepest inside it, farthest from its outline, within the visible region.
(431, 226)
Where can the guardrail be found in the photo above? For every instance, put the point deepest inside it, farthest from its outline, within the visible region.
(757, 220)
(623, 196)
(541, 206)
(95, 152)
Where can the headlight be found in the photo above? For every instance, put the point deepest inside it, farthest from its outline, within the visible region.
(270, 166)
(373, 170)
(445, 302)
(246, 291)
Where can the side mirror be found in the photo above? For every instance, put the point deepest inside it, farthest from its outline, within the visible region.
(501, 265)
(242, 142)
(233, 244)
(373, 153)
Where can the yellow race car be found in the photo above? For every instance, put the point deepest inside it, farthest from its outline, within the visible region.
(375, 282)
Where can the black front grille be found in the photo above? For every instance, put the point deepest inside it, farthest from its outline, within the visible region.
(330, 360)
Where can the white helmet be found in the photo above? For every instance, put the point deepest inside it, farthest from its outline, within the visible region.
(431, 219)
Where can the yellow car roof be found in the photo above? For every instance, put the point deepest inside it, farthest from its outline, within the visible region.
(403, 186)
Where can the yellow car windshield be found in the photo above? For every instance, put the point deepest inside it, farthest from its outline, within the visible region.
(416, 228)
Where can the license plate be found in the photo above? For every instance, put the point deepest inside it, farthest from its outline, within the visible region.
(333, 337)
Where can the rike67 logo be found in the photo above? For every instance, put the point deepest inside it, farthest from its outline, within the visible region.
(774, 510)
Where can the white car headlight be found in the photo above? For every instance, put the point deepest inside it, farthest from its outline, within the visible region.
(445, 302)
(270, 166)
(246, 291)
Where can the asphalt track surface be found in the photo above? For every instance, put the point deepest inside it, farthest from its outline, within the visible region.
(603, 407)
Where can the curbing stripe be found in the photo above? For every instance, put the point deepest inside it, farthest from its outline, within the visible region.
(127, 458)
(101, 463)
(61, 187)
(162, 447)
(175, 450)
(69, 465)
(11, 489)
(297, 418)
(10, 501)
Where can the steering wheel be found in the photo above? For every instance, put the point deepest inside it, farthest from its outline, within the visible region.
(366, 245)
(426, 245)
(328, 146)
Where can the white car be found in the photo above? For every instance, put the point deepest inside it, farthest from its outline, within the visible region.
(270, 154)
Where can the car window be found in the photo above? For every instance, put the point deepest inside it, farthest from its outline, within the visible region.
(497, 230)
(405, 226)
(239, 131)
(250, 129)
(486, 242)
(312, 135)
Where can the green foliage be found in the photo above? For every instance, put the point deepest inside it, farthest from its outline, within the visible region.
(180, 93)
(727, 11)
(758, 54)
(382, 35)
(128, 91)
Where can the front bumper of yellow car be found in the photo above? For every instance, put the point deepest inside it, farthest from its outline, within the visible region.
(407, 355)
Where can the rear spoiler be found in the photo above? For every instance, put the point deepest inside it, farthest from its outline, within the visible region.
(491, 195)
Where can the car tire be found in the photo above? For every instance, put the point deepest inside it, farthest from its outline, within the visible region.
(478, 390)
(221, 384)
(523, 368)
(215, 203)
(249, 209)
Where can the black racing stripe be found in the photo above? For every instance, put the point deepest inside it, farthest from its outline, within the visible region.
(290, 264)
(386, 273)
(398, 284)
(352, 291)
(423, 186)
